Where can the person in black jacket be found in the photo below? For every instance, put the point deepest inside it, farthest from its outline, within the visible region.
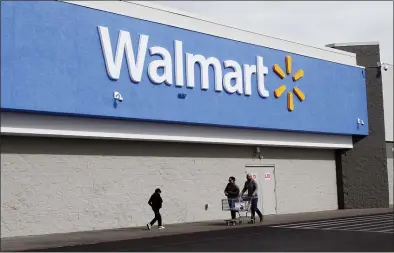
(232, 193)
(156, 203)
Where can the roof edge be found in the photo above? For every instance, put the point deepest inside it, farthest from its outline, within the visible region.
(370, 43)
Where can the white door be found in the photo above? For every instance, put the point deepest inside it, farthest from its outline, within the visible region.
(265, 178)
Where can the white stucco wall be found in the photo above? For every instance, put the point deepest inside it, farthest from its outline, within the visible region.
(55, 186)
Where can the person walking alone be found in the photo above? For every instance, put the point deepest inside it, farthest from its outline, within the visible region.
(232, 193)
(251, 187)
(156, 203)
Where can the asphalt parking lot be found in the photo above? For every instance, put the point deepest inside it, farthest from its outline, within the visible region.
(361, 233)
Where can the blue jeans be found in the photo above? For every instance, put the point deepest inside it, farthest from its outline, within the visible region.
(255, 209)
(231, 203)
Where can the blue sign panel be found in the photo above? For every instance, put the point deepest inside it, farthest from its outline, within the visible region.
(61, 58)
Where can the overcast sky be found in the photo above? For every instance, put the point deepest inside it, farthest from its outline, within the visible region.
(312, 23)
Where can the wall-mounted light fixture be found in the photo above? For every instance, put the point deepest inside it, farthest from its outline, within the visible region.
(379, 66)
(257, 153)
(182, 95)
(118, 97)
(360, 122)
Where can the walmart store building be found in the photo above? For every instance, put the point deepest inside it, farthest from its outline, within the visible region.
(102, 102)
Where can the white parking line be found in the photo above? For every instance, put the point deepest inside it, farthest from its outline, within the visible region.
(329, 223)
(383, 232)
(367, 224)
(383, 223)
(378, 217)
(388, 231)
(347, 230)
(372, 229)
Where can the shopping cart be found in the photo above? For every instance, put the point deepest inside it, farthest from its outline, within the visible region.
(241, 206)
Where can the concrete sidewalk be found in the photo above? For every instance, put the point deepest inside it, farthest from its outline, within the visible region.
(93, 237)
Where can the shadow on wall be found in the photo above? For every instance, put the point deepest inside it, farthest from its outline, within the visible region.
(69, 146)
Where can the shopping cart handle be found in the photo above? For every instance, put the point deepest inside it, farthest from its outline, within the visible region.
(245, 198)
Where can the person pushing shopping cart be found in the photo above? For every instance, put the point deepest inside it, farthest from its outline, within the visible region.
(251, 187)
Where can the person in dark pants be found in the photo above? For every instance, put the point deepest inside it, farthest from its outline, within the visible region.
(251, 187)
(232, 192)
(156, 203)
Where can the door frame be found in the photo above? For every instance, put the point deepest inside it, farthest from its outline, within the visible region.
(274, 171)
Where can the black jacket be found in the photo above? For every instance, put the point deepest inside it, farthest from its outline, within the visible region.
(251, 187)
(232, 190)
(155, 201)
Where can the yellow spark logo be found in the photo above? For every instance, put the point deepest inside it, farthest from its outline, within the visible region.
(279, 91)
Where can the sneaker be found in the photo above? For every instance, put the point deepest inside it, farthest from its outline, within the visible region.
(148, 226)
(161, 227)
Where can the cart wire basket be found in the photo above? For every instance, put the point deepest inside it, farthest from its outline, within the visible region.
(241, 206)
